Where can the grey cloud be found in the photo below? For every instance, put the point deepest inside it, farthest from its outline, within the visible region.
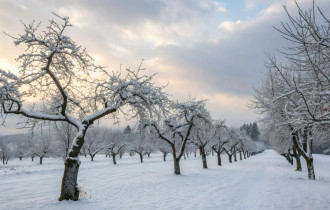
(232, 65)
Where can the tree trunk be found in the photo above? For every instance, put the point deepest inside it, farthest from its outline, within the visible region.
(219, 158)
(177, 167)
(308, 157)
(164, 156)
(184, 155)
(310, 169)
(141, 157)
(212, 152)
(92, 157)
(40, 159)
(32, 158)
(203, 157)
(230, 158)
(69, 188)
(114, 159)
(235, 156)
(195, 153)
(296, 156)
(310, 164)
(240, 155)
(244, 154)
(120, 155)
(176, 161)
(20, 158)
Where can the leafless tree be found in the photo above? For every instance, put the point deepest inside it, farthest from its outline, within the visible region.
(176, 128)
(65, 84)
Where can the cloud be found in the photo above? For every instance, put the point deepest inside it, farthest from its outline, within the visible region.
(193, 44)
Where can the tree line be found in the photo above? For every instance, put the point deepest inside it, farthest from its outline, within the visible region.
(294, 98)
(114, 143)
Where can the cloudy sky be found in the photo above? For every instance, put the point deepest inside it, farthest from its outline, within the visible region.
(211, 49)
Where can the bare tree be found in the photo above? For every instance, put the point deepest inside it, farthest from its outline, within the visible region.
(42, 144)
(95, 140)
(164, 148)
(298, 90)
(5, 152)
(138, 144)
(55, 73)
(202, 135)
(218, 140)
(230, 147)
(115, 143)
(176, 129)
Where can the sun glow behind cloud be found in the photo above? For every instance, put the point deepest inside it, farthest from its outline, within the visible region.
(205, 48)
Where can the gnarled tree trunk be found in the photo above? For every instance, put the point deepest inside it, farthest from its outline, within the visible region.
(310, 169)
(176, 162)
(219, 158)
(230, 158)
(141, 157)
(177, 167)
(235, 156)
(114, 159)
(69, 188)
(164, 156)
(202, 150)
(294, 150)
(296, 156)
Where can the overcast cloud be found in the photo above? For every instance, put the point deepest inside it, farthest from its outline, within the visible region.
(205, 48)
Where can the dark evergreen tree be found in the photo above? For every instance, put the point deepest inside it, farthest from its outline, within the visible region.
(252, 130)
(128, 130)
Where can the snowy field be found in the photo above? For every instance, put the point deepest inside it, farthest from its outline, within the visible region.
(265, 181)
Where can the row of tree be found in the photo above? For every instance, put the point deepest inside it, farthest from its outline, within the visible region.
(294, 98)
(59, 83)
(215, 138)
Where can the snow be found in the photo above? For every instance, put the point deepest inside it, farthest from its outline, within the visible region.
(265, 181)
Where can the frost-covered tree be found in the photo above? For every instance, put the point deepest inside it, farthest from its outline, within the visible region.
(5, 152)
(139, 143)
(176, 128)
(21, 148)
(232, 136)
(300, 85)
(115, 142)
(164, 148)
(66, 85)
(95, 140)
(252, 130)
(246, 145)
(202, 135)
(41, 145)
(219, 138)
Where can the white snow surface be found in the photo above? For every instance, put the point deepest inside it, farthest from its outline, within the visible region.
(265, 181)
